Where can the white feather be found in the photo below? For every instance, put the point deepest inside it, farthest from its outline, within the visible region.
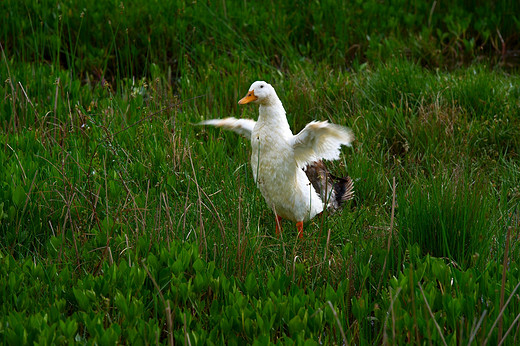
(243, 127)
(319, 140)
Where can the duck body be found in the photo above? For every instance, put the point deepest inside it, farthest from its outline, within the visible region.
(287, 168)
(285, 187)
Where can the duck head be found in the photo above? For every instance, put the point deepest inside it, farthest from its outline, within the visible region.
(260, 92)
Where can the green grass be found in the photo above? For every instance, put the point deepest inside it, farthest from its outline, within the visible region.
(113, 204)
(449, 216)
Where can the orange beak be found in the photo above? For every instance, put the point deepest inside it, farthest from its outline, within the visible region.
(248, 98)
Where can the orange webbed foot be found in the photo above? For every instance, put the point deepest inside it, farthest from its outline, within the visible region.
(299, 226)
(278, 225)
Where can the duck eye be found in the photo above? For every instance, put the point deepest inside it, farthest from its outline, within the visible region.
(261, 86)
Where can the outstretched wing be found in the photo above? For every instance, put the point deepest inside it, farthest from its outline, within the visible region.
(243, 127)
(320, 140)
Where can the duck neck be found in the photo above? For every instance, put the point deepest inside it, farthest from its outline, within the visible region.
(273, 113)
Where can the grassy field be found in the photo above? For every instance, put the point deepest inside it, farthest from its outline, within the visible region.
(123, 222)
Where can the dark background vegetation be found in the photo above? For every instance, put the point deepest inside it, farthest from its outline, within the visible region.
(118, 39)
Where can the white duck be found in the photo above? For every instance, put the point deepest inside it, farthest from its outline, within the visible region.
(287, 168)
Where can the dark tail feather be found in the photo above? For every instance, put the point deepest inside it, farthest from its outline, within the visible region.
(343, 190)
(335, 191)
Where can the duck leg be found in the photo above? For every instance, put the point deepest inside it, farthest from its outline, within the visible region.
(299, 226)
(278, 225)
